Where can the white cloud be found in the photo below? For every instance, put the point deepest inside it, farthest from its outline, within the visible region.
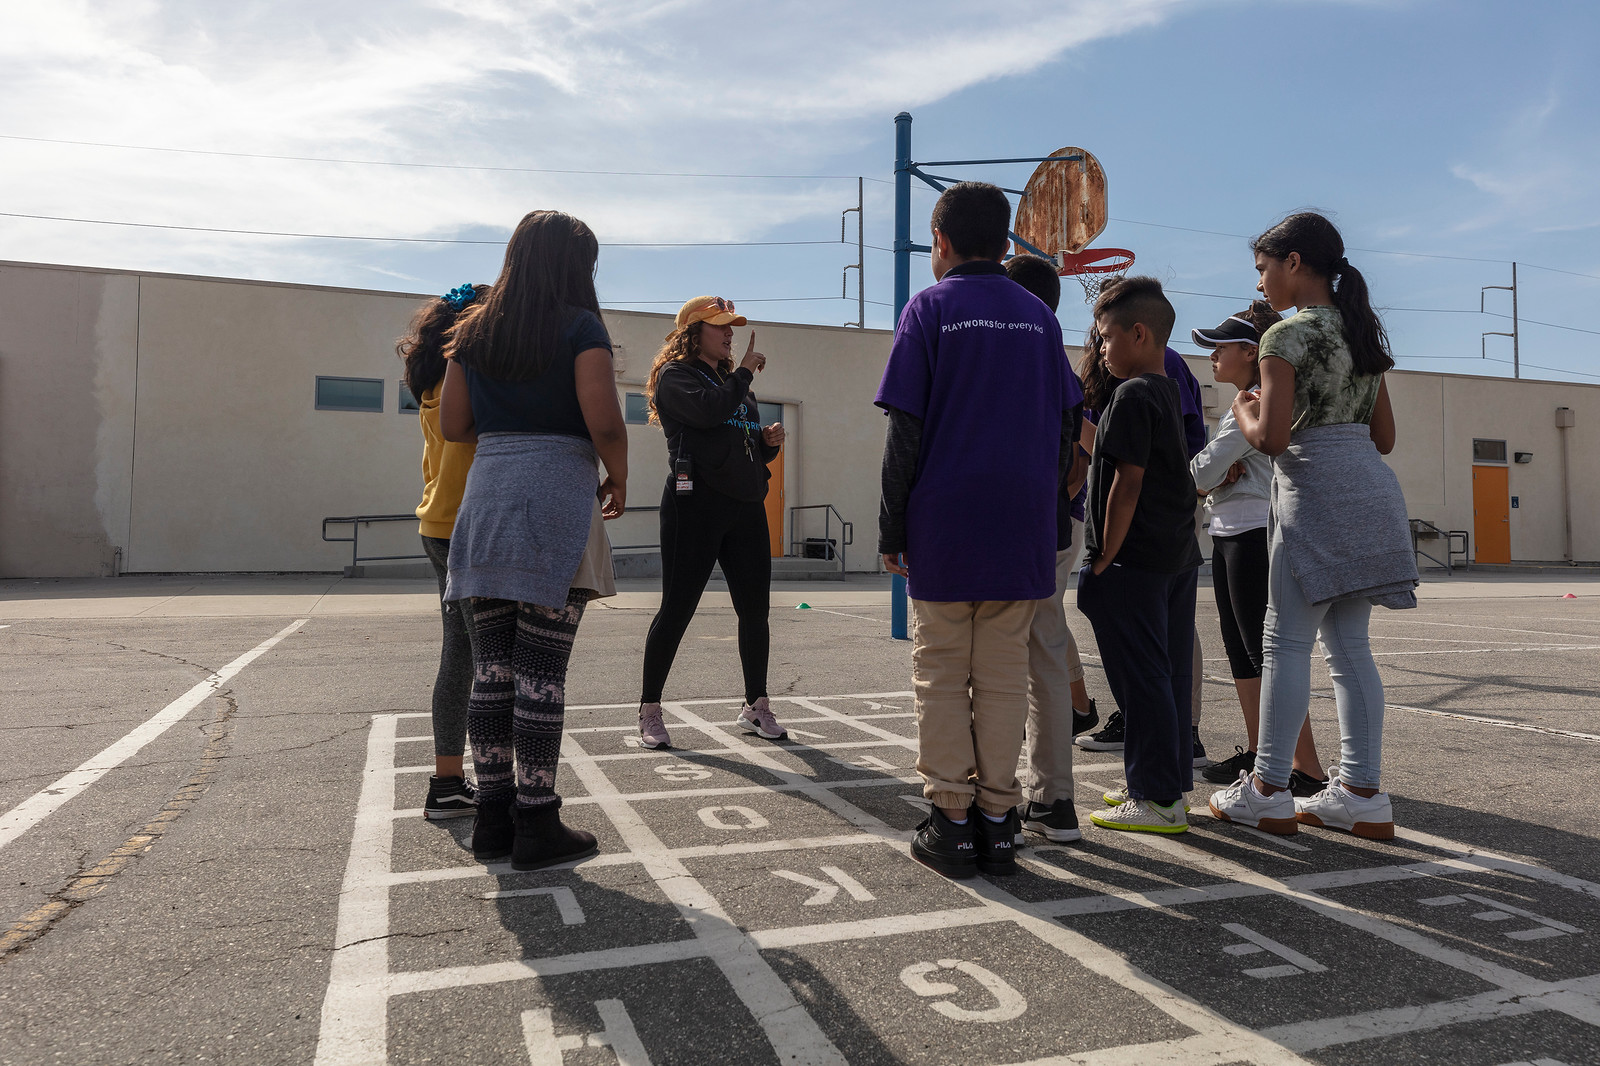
(619, 85)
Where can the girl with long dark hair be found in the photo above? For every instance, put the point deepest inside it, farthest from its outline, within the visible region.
(530, 379)
(1339, 541)
(711, 510)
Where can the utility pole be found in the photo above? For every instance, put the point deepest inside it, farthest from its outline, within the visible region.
(1515, 334)
(860, 265)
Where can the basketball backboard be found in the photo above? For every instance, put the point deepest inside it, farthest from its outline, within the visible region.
(1063, 206)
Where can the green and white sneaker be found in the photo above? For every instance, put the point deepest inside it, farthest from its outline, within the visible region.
(1118, 796)
(1142, 816)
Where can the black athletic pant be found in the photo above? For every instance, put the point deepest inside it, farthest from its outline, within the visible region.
(1144, 624)
(698, 531)
(1239, 579)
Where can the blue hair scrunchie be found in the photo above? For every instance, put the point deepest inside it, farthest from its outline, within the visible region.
(460, 296)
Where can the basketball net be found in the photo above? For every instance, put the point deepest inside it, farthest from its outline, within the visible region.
(1095, 268)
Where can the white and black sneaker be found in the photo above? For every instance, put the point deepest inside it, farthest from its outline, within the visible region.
(449, 797)
(1108, 739)
(1057, 821)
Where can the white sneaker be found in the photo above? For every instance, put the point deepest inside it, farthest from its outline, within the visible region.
(1335, 807)
(1241, 804)
(1142, 816)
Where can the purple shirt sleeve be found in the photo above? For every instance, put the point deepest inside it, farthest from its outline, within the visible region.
(908, 376)
(1194, 420)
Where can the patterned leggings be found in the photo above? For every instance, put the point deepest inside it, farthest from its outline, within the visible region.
(519, 659)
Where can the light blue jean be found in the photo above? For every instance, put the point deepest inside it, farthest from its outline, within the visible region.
(1292, 627)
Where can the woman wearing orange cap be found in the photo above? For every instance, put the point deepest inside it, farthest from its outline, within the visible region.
(712, 510)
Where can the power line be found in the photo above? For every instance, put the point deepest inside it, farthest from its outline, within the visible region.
(428, 166)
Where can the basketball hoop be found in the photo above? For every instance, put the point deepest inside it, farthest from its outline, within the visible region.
(1095, 268)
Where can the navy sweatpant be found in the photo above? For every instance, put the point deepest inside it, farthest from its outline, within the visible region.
(1144, 624)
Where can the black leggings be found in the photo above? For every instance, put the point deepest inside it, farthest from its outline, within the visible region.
(1239, 578)
(453, 683)
(698, 531)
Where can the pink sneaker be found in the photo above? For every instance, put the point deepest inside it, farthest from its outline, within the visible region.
(757, 718)
(652, 730)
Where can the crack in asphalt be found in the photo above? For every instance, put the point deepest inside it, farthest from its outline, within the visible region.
(119, 647)
(90, 881)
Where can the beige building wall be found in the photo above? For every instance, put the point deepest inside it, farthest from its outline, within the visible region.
(160, 423)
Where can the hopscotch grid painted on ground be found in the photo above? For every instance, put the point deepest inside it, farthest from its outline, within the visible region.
(354, 1024)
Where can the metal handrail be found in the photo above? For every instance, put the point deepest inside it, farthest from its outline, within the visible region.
(1421, 527)
(355, 522)
(847, 530)
(637, 547)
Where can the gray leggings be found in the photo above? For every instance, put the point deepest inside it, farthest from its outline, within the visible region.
(453, 685)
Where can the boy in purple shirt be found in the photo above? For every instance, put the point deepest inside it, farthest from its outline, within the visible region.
(982, 412)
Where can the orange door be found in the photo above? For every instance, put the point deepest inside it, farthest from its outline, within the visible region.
(1491, 513)
(775, 505)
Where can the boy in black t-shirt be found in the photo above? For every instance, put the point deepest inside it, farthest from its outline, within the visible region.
(1138, 587)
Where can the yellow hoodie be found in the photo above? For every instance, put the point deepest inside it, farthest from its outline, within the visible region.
(444, 472)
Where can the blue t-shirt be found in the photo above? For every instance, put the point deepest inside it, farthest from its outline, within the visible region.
(549, 402)
(979, 360)
(1194, 420)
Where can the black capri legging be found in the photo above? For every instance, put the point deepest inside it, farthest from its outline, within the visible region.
(1239, 578)
(698, 532)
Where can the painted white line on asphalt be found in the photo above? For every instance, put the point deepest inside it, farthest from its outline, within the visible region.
(355, 1018)
(412, 981)
(1318, 1033)
(846, 614)
(792, 1031)
(1491, 651)
(31, 811)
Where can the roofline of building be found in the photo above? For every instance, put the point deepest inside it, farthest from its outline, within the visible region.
(304, 286)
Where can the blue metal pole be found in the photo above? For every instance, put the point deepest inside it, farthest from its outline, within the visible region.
(899, 628)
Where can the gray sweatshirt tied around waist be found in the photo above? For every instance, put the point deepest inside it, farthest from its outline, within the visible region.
(1342, 517)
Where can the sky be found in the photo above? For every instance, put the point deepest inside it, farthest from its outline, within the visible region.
(713, 146)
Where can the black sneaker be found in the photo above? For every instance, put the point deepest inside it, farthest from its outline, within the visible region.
(1058, 822)
(492, 833)
(1198, 748)
(945, 847)
(1108, 739)
(1304, 786)
(1083, 722)
(449, 797)
(1228, 770)
(996, 841)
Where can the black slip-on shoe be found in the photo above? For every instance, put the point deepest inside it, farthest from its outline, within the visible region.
(1228, 770)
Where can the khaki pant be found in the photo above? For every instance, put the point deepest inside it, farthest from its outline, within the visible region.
(1053, 666)
(970, 674)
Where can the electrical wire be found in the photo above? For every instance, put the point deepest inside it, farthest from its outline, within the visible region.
(428, 166)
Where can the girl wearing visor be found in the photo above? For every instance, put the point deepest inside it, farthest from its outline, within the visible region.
(712, 510)
(1236, 482)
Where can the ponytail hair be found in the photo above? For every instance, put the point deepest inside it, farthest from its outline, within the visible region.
(1322, 251)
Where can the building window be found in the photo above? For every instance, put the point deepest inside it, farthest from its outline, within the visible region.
(771, 414)
(349, 394)
(408, 402)
(635, 410)
(1488, 451)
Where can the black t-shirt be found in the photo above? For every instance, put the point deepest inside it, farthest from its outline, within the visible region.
(1143, 426)
(549, 402)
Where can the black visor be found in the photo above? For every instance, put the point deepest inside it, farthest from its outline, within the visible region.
(1235, 330)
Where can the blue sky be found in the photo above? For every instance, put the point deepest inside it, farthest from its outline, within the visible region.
(1456, 128)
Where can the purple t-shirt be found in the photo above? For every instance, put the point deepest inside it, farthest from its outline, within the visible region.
(1194, 421)
(979, 360)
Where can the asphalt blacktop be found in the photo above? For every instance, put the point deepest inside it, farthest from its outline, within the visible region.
(211, 850)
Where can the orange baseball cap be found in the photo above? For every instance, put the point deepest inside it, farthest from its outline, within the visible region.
(712, 309)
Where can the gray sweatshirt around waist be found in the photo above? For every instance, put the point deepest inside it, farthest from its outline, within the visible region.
(1342, 517)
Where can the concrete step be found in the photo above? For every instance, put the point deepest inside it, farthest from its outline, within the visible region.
(795, 569)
